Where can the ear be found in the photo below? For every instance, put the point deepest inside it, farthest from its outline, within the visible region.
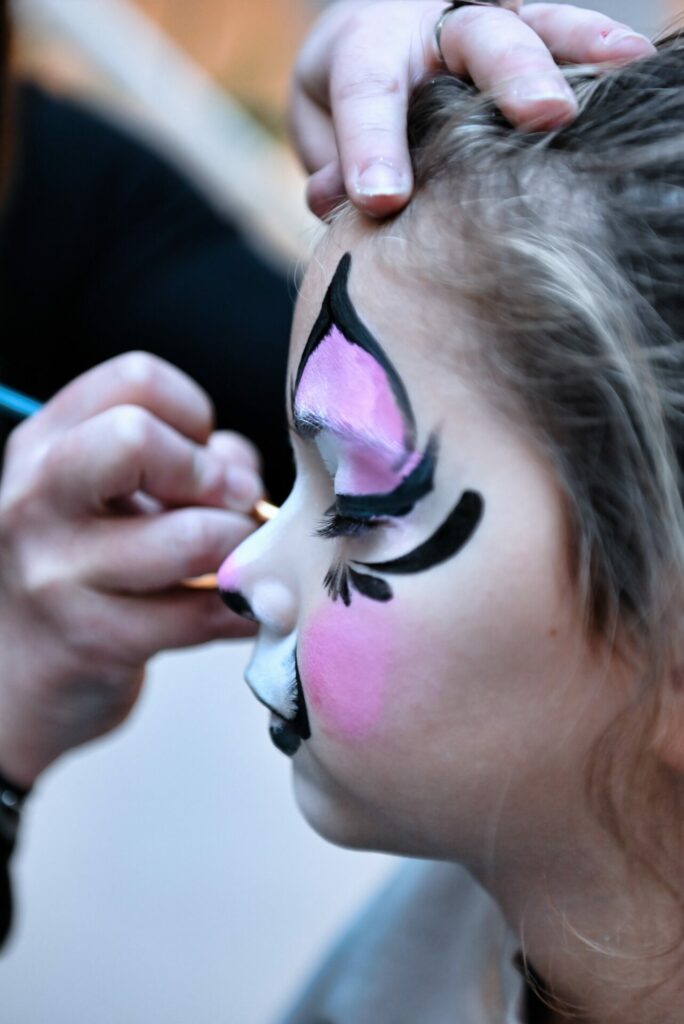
(669, 734)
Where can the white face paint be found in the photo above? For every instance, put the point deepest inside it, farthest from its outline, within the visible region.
(271, 674)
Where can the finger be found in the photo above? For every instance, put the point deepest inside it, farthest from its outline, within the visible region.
(148, 554)
(128, 450)
(325, 189)
(506, 58)
(369, 88)
(311, 129)
(342, 69)
(235, 449)
(136, 378)
(369, 102)
(140, 627)
(242, 468)
(584, 37)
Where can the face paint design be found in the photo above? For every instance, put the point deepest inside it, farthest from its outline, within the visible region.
(272, 674)
(273, 677)
(348, 398)
(445, 542)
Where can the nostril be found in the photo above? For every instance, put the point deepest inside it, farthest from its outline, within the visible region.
(237, 603)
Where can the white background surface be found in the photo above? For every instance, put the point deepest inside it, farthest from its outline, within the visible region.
(165, 875)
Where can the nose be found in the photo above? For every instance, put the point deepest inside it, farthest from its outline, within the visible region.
(255, 581)
(258, 581)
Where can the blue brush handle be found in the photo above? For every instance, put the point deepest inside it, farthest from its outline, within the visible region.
(17, 405)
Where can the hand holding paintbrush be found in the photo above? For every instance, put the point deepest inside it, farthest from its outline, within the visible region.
(87, 594)
(19, 406)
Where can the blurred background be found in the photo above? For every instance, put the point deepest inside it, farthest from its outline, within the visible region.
(164, 873)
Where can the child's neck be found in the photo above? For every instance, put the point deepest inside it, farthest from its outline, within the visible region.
(601, 938)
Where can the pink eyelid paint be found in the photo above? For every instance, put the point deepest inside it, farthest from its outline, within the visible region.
(346, 391)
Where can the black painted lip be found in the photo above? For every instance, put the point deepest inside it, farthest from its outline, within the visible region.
(284, 735)
(287, 734)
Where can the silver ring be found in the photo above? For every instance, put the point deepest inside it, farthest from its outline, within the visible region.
(510, 5)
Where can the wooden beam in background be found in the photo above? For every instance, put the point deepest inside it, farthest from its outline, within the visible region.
(248, 45)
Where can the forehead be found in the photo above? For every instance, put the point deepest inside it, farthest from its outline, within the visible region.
(397, 310)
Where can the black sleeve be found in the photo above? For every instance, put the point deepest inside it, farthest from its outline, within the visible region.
(6, 848)
(105, 248)
(12, 798)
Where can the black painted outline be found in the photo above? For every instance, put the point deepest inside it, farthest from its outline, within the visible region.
(445, 542)
(287, 733)
(337, 310)
(399, 502)
(341, 579)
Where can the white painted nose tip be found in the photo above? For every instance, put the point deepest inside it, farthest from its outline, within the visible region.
(274, 606)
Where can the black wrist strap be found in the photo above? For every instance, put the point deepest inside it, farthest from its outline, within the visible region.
(12, 799)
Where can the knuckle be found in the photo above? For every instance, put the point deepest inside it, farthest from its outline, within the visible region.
(466, 17)
(45, 589)
(194, 539)
(366, 84)
(233, 447)
(131, 428)
(356, 22)
(139, 370)
(15, 442)
(17, 513)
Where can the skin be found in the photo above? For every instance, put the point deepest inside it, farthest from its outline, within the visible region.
(111, 495)
(85, 586)
(455, 721)
(349, 97)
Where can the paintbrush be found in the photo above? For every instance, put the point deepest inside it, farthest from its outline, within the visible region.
(20, 406)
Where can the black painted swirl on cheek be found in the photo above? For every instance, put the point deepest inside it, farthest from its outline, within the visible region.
(445, 542)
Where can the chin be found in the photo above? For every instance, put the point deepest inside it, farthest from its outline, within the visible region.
(332, 812)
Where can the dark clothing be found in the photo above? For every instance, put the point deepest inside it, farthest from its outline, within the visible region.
(105, 248)
(6, 848)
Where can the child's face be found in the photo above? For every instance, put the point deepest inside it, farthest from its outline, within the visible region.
(433, 654)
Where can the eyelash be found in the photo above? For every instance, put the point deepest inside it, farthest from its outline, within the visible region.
(335, 524)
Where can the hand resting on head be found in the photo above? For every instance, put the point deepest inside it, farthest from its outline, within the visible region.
(361, 61)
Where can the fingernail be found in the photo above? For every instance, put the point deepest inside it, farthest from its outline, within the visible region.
(536, 90)
(626, 38)
(381, 178)
(243, 488)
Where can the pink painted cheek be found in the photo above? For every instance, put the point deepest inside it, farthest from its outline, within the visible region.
(344, 656)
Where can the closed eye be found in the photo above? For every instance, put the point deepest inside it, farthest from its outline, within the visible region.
(402, 500)
(447, 540)
(336, 524)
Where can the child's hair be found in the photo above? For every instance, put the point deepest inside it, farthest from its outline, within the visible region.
(568, 249)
